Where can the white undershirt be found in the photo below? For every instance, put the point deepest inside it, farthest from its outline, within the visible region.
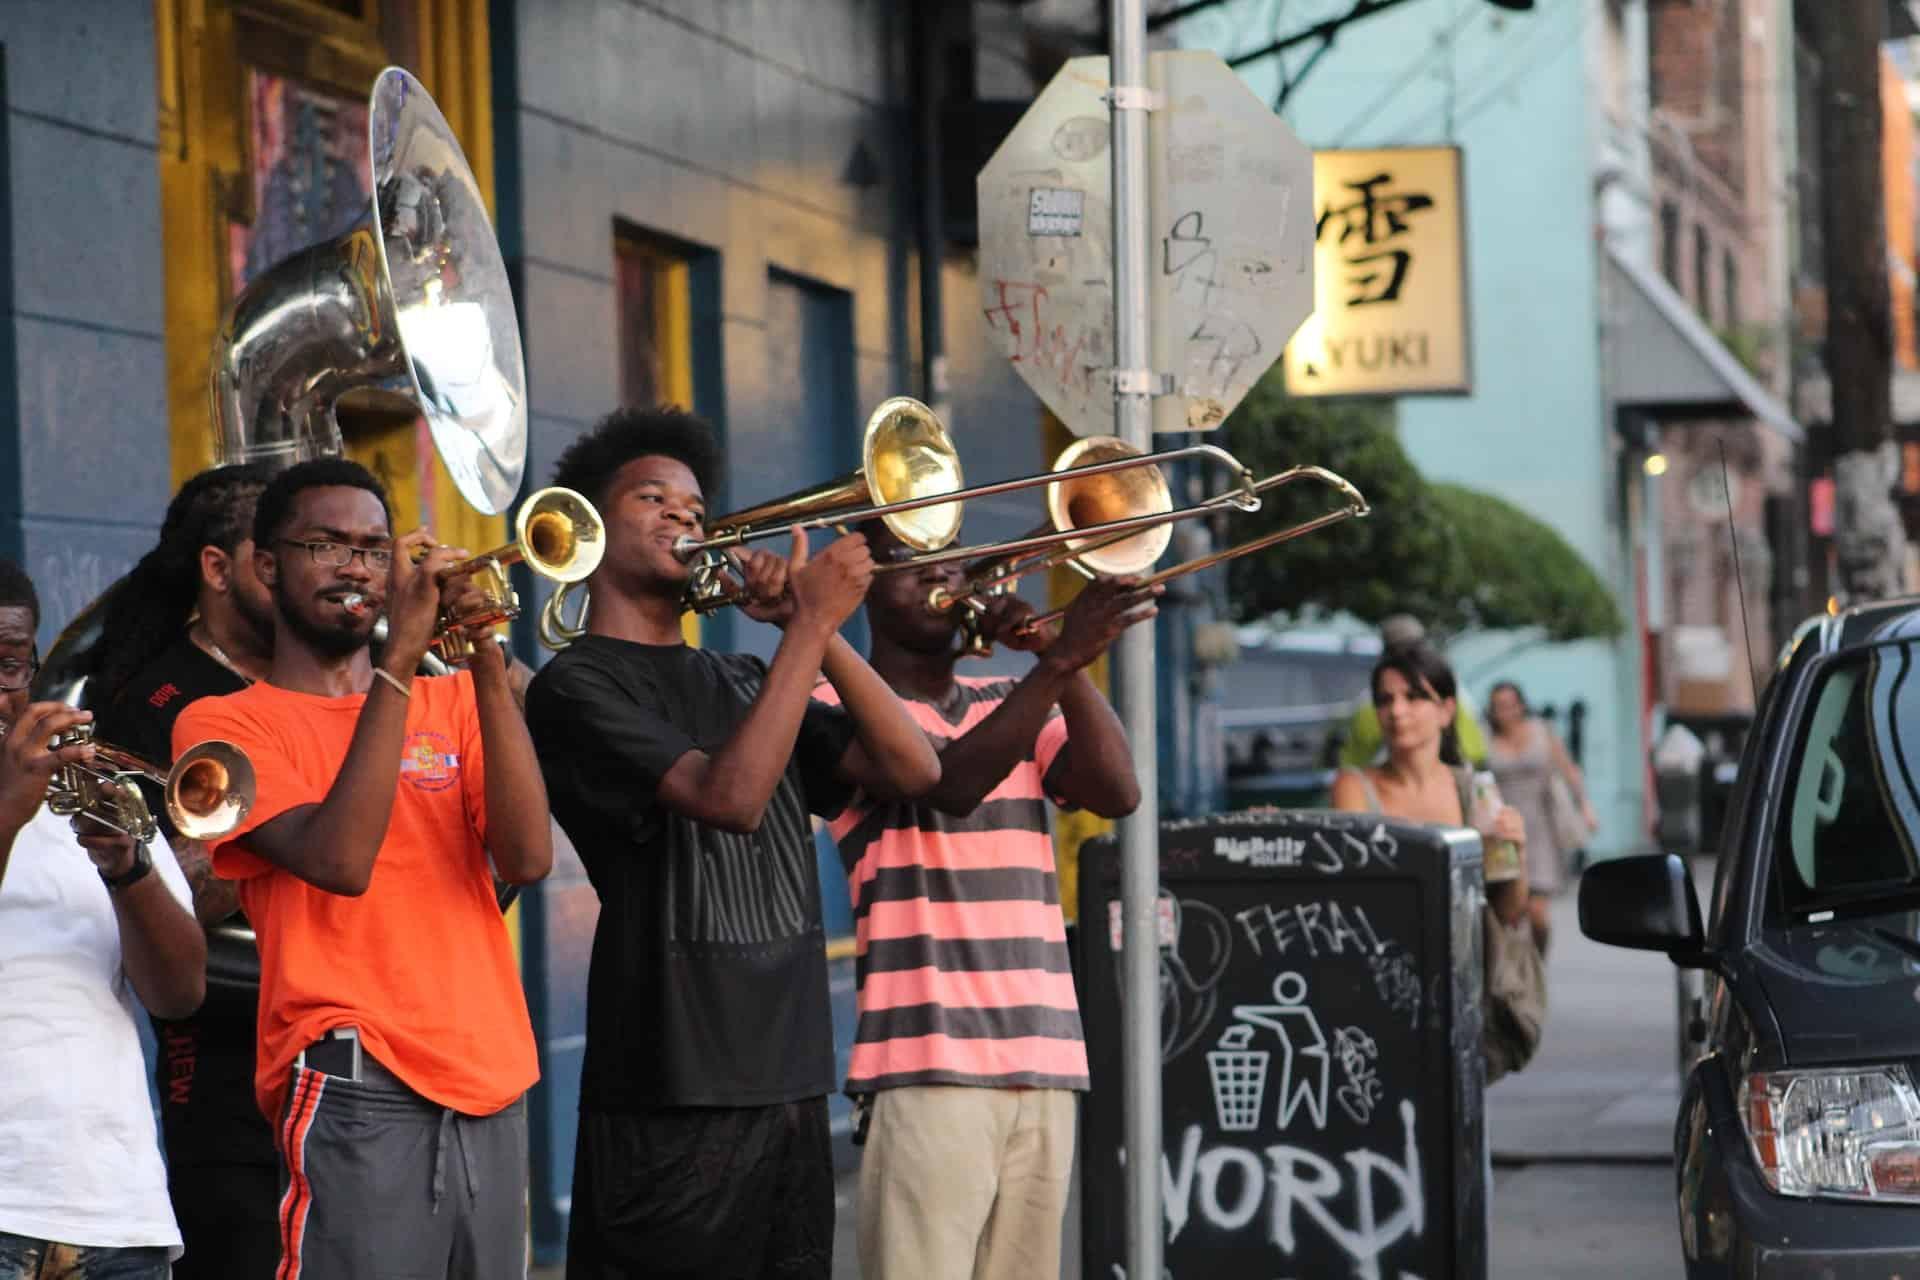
(79, 1157)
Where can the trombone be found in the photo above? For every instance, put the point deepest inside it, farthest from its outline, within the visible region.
(208, 791)
(558, 535)
(1107, 556)
(910, 479)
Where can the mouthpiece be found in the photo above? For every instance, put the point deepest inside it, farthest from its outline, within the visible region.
(355, 604)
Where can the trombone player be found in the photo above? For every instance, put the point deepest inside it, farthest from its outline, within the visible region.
(394, 1043)
(82, 1190)
(685, 778)
(968, 1049)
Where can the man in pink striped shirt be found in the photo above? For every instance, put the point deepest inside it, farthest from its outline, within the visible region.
(969, 1043)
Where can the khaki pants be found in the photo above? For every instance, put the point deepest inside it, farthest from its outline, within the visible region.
(964, 1183)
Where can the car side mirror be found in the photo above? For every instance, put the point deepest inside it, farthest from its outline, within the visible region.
(1646, 902)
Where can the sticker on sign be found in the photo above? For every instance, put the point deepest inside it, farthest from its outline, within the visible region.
(1164, 919)
(1055, 211)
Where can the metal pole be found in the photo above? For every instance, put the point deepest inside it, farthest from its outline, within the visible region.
(1133, 675)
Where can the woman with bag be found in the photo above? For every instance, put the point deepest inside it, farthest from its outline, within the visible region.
(1538, 778)
(1423, 780)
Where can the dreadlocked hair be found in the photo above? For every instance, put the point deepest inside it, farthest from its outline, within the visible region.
(151, 605)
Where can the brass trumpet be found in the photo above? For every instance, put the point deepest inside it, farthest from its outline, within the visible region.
(558, 534)
(1110, 556)
(208, 791)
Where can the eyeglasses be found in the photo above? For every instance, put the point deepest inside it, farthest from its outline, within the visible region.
(18, 673)
(334, 555)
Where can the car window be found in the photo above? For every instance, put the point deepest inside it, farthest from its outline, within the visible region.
(1851, 809)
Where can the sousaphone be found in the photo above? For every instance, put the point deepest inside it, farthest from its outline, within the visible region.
(406, 313)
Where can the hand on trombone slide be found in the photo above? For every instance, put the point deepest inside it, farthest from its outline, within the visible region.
(826, 588)
(1104, 608)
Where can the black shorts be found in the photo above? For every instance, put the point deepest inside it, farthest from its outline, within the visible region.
(719, 1193)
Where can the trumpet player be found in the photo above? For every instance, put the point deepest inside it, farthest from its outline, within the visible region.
(684, 778)
(394, 1043)
(193, 620)
(82, 1190)
(968, 1050)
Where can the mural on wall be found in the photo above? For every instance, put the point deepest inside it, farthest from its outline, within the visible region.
(307, 166)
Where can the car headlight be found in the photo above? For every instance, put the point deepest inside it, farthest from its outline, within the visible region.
(1851, 1132)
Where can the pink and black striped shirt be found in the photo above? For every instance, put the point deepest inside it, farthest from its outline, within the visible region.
(961, 953)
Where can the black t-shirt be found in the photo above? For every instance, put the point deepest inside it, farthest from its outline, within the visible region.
(204, 1070)
(708, 980)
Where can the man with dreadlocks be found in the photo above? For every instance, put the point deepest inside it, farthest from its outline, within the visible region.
(191, 621)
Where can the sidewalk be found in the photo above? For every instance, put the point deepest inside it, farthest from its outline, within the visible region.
(1583, 1138)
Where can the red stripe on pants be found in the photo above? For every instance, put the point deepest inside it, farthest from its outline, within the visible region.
(293, 1148)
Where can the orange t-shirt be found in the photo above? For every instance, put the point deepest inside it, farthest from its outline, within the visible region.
(421, 962)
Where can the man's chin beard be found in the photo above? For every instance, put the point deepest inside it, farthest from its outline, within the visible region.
(329, 642)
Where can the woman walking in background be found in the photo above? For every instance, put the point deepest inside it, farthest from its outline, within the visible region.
(1422, 780)
(1538, 778)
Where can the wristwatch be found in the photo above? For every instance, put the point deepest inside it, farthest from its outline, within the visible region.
(142, 863)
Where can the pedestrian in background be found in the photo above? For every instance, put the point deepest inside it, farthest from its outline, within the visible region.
(1538, 778)
(1362, 742)
(1423, 780)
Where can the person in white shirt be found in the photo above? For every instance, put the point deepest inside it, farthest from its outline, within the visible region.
(87, 924)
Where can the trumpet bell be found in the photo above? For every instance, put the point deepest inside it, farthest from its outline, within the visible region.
(561, 536)
(1113, 495)
(907, 454)
(210, 790)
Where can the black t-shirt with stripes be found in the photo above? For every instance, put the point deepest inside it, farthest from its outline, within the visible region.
(707, 984)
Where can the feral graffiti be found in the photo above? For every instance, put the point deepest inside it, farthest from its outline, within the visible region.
(1357, 1054)
(1317, 928)
(1397, 979)
(1365, 1209)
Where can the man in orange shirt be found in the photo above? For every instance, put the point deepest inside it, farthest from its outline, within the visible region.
(394, 1040)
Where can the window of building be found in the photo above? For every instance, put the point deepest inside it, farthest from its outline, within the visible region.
(1729, 289)
(1702, 264)
(1670, 242)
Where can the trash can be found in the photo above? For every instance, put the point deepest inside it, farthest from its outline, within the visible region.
(1320, 981)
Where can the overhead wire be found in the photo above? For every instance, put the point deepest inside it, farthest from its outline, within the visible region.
(1442, 42)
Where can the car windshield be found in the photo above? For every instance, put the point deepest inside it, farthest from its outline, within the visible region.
(1852, 804)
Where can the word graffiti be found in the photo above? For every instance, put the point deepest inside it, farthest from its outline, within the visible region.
(1321, 928)
(1367, 1209)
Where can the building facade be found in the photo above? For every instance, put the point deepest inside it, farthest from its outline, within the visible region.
(725, 207)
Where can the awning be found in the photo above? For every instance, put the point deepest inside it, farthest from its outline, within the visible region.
(1667, 362)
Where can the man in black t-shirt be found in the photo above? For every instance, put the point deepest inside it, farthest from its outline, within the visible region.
(196, 601)
(684, 778)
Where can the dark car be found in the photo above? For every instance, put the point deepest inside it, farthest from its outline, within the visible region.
(1797, 1146)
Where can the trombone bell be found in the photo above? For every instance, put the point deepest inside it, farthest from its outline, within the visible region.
(1081, 503)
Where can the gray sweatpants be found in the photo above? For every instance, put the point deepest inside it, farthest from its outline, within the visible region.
(378, 1181)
